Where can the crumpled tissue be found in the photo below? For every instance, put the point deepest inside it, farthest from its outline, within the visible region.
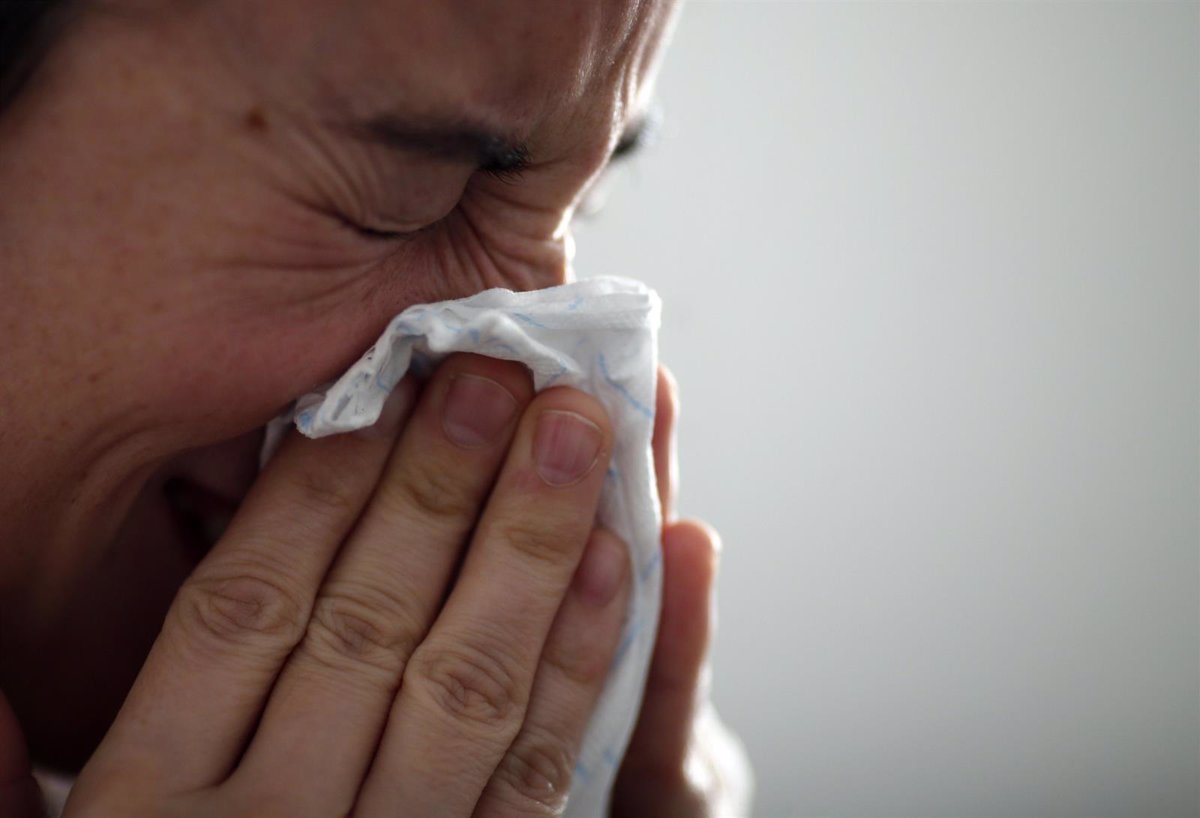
(599, 335)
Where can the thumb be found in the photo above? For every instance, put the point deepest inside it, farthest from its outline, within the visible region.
(19, 793)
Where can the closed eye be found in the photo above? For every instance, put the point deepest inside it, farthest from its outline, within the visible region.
(507, 161)
(642, 133)
(508, 165)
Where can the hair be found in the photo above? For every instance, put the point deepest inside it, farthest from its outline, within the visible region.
(27, 29)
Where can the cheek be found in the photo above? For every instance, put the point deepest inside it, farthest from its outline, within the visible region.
(227, 340)
(238, 375)
(226, 364)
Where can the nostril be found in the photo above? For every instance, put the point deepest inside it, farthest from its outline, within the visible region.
(200, 515)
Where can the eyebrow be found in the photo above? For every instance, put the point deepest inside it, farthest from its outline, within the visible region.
(470, 143)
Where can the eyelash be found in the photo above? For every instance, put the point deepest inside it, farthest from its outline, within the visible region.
(378, 235)
(509, 176)
(636, 140)
(508, 166)
(511, 166)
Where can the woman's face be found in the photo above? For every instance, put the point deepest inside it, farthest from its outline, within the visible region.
(211, 206)
(214, 206)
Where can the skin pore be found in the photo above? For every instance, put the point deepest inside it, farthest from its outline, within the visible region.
(211, 207)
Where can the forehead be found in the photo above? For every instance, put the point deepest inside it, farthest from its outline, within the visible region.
(521, 60)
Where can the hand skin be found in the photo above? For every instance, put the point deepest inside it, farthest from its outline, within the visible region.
(193, 233)
(196, 738)
(419, 617)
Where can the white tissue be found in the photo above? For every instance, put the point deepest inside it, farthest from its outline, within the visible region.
(598, 335)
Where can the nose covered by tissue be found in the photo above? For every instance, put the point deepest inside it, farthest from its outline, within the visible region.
(599, 335)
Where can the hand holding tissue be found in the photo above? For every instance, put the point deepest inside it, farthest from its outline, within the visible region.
(600, 336)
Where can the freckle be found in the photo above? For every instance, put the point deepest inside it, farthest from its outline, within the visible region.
(256, 121)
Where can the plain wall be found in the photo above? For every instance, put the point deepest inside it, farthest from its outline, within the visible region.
(930, 275)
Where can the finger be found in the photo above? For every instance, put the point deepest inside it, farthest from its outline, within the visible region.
(659, 744)
(464, 693)
(242, 611)
(535, 775)
(663, 442)
(328, 708)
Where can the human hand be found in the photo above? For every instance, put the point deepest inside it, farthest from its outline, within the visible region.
(330, 657)
(682, 762)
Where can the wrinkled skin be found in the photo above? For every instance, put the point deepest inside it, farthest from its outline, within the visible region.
(197, 227)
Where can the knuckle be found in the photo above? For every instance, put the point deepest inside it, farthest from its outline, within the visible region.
(541, 539)
(470, 685)
(325, 490)
(535, 775)
(431, 489)
(583, 663)
(240, 610)
(364, 628)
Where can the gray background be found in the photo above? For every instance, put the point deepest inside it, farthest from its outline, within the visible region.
(930, 275)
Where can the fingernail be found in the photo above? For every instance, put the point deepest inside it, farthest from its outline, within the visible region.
(395, 409)
(565, 447)
(476, 410)
(602, 570)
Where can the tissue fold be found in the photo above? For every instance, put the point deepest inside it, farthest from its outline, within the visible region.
(598, 335)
